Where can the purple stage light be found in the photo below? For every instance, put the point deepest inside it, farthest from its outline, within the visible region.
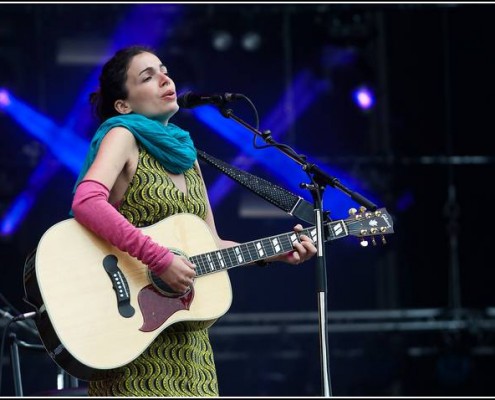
(364, 97)
(4, 98)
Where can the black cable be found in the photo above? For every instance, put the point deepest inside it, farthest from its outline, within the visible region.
(256, 116)
(266, 133)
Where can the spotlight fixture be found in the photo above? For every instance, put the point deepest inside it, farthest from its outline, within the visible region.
(222, 40)
(251, 41)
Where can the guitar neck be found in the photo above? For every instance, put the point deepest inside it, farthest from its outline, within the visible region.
(260, 249)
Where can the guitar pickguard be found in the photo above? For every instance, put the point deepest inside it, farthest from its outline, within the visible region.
(157, 308)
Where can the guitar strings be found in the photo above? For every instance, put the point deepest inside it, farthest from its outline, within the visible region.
(212, 261)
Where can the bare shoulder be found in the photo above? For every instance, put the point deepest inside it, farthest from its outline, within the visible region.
(116, 155)
(196, 166)
(119, 136)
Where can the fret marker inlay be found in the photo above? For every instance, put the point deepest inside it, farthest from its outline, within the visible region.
(260, 249)
(313, 235)
(210, 262)
(337, 228)
(276, 245)
(238, 253)
(220, 258)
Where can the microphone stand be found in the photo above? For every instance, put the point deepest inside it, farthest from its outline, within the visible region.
(319, 181)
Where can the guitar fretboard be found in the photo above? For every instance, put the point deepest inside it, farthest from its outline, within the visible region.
(256, 250)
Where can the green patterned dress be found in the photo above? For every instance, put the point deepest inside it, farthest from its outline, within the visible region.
(180, 361)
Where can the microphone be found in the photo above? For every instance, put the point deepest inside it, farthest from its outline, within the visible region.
(191, 100)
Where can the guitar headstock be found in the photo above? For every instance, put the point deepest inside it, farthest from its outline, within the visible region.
(369, 224)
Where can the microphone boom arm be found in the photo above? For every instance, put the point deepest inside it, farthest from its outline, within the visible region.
(319, 176)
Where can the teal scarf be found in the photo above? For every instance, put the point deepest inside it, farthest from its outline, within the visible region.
(169, 144)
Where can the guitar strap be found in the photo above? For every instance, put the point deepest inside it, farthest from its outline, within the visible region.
(290, 203)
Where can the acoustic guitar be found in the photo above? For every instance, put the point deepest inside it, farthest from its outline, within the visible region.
(98, 308)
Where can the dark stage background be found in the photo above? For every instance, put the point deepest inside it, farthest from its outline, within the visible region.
(413, 317)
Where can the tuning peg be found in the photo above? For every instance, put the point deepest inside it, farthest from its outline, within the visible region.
(373, 241)
(363, 242)
(384, 241)
(352, 211)
(362, 209)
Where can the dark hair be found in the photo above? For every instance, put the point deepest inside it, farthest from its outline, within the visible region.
(112, 81)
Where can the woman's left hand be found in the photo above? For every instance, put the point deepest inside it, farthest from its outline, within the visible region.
(303, 250)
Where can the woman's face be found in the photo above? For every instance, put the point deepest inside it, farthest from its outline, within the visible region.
(150, 90)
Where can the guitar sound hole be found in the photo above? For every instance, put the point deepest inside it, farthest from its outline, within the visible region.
(161, 286)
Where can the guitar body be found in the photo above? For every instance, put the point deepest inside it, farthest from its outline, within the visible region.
(76, 282)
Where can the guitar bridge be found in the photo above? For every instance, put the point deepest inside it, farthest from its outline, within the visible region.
(120, 286)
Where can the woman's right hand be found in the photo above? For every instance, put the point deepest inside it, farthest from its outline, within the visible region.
(179, 275)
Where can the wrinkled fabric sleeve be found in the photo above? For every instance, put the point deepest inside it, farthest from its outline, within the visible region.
(91, 208)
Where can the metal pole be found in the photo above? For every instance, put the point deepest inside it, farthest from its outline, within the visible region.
(16, 365)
